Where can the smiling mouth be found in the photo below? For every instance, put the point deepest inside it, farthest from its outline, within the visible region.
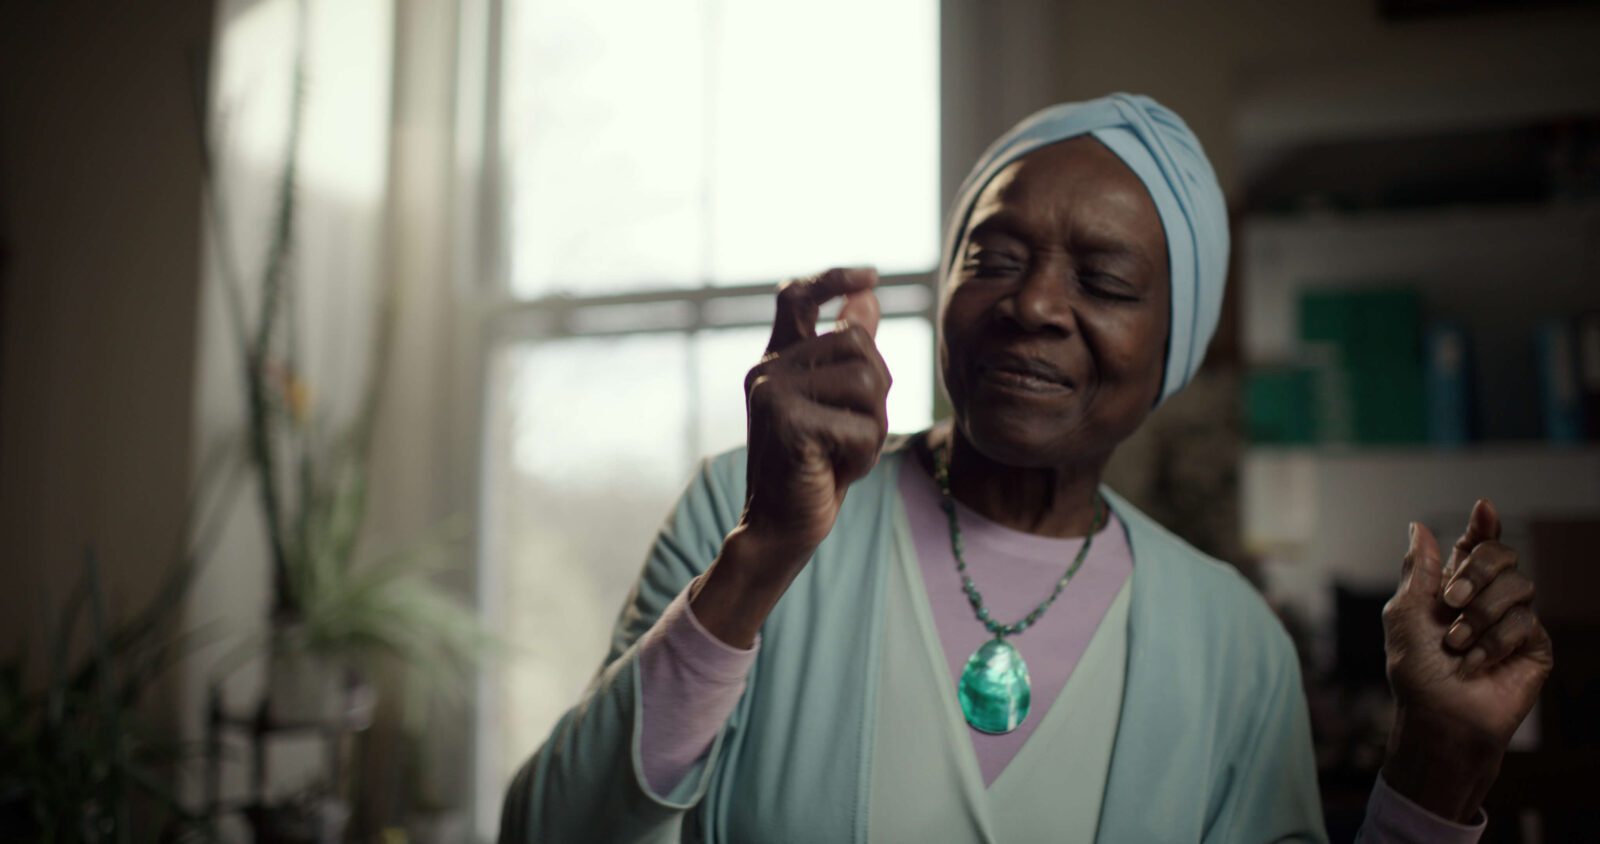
(1022, 375)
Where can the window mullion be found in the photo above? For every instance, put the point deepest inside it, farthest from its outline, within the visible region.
(553, 316)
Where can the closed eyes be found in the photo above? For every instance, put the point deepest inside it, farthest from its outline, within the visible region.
(1107, 286)
(1101, 285)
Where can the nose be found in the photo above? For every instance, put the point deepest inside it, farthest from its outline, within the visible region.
(1042, 302)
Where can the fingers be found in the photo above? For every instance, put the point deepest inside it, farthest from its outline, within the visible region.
(1497, 618)
(841, 368)
(1482, 524)
(1517, 630)
(862, 309)
(854, 386)
(801, 299)
(851, 439)
(1477, 571)
(848, 343)
(1422, 572)
(1495, 604)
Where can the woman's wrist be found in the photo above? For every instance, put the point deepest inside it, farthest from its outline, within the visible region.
(737, 593)
(1444, 773)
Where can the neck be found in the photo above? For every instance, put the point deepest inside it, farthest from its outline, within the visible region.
(1058, 501)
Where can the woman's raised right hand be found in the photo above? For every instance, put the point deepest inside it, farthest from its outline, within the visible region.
(816, 412)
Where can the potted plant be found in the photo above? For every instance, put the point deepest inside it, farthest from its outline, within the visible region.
(335, 604)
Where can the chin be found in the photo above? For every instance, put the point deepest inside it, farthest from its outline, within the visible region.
(1013, 439)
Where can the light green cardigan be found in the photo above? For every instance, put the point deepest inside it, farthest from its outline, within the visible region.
(1212, 742)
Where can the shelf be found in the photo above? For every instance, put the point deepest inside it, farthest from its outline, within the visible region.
(1499, 274)
(1499, 270)
(1331, 221)
(1344, 510)
(1507, 449)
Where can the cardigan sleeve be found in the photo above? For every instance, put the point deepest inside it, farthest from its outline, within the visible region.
(1272, 793)
(587, 782)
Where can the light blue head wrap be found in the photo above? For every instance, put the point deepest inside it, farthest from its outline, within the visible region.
(1158, 146)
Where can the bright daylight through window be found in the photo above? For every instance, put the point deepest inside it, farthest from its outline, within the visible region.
(664, 162)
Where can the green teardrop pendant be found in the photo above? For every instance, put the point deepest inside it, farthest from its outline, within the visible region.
(995, 690)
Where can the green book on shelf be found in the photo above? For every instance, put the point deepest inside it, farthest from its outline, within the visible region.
(1376, 333)
(1280, 405)
(1373, 327)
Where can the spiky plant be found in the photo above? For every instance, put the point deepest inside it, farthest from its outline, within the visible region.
(331, 598)
(76, 755)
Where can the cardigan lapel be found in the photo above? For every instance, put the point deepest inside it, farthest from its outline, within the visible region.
(926, 784)
(1152, 793)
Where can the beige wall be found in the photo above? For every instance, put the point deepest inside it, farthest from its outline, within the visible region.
(1235, 66)
(99, 232)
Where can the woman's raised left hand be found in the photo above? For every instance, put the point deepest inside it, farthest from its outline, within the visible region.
(1467, 657)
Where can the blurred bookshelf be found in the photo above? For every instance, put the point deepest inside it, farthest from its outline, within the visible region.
(1417, 254)
(1420, 326)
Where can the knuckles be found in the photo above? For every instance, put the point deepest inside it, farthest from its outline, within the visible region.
(1516, 593)
(792, 292)
(795, 292)
(770, 403)
(756, 373)
(864, 381)
(1393, 611)
(1488, 559)
(758, 389)
(1505, 636)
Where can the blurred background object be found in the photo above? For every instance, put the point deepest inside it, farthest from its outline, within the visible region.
(1417, 282)
(580, 210)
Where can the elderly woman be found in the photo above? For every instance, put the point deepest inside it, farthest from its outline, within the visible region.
(962, 635)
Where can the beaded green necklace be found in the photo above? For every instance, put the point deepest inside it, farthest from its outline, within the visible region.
(995, 689)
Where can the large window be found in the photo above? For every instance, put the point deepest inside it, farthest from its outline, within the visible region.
(662, 164)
